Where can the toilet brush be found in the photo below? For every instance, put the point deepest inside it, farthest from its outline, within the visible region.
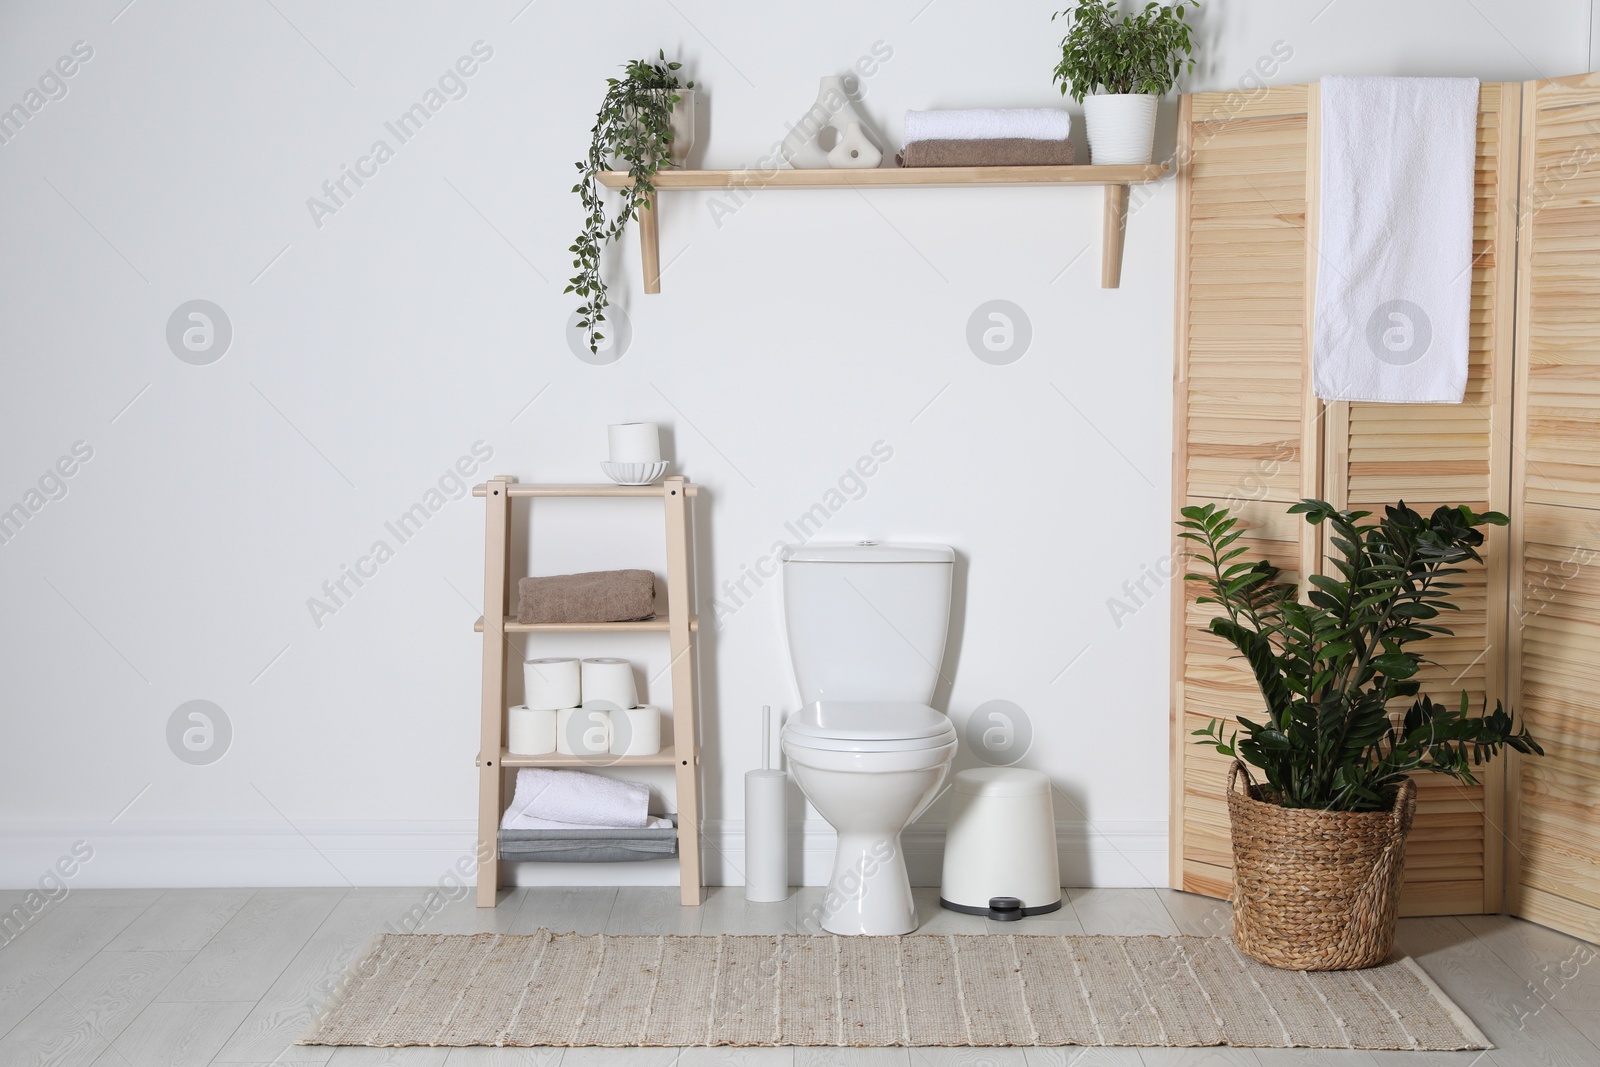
(766, 830)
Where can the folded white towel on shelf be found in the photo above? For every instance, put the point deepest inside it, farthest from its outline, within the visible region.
(514, 821)
(988, 124)
(1394, 244)
(577, 798)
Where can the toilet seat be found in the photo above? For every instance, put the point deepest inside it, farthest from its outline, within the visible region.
(845, 744)
(868, 726)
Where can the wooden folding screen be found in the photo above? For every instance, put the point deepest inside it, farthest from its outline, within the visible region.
(1250, 435)
(1553, 860)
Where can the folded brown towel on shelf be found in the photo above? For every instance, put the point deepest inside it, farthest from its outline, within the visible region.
(594, 596)
(997, 152)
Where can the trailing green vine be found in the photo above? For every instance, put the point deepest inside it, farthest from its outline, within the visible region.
(634, 126)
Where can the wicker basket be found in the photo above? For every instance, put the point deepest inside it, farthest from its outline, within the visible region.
(1316, 890)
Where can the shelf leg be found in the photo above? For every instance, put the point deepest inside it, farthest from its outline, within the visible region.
(685, 732)
(1116, 228)
(491, 776)
(489, 840)
(650, 249)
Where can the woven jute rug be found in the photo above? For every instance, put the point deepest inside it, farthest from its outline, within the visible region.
(920, 990)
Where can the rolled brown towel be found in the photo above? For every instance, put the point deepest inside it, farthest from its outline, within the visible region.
(594, 596)
(996, 152)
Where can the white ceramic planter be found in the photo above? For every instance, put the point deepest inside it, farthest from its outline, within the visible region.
(681, 125)
(1121, 126)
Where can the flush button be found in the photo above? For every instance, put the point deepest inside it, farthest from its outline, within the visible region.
(866, 544)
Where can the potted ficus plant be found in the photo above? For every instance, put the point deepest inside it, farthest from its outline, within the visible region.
(646, 122)
(1117, 67)
(1319, 842)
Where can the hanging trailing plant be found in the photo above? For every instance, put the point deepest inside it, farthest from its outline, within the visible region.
(634, 126)
(1330, 667)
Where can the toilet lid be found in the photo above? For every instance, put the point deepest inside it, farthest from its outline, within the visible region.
(878, 721)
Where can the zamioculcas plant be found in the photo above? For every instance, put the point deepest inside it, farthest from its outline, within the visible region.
(1330, 668)
(633, 126)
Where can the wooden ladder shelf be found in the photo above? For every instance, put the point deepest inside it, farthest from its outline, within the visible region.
(1116, 180)
(683, 754)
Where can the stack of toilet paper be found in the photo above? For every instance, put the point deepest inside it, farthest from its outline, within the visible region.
(582, 708)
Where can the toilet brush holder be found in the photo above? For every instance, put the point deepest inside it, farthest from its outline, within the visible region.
(766, 826)
(766, 844)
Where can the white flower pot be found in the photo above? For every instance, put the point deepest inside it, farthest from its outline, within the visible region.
(1122, 127)
(680, 125)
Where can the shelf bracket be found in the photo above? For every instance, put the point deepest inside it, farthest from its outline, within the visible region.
(1116, 229)
(650, 248)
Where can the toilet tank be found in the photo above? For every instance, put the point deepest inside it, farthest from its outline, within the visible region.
(866, 621)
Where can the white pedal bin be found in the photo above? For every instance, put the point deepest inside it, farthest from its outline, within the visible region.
(1000, 848)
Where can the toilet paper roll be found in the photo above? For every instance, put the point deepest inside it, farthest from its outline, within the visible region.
(530, 731)
(582, 732)
(636, 731)
(608, 684)
(634, 442)
(552, 684)
(766, 836)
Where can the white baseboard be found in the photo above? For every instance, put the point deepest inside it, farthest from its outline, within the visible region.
(410, 853)
(148, 855)
(1119, 854)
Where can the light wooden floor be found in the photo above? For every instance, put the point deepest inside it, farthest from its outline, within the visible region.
(152, 978)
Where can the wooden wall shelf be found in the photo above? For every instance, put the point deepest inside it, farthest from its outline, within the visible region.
(1116, 180)
(1078, 174)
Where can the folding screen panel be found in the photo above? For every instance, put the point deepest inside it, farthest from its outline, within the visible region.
(1240, 408)
(1250, 434)
(1441, 454)
(1553, 861)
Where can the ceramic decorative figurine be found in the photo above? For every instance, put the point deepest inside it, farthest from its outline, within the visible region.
(802, 148)
(855, 150)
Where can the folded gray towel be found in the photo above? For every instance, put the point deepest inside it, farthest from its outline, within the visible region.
(993, 152)
(589, 845)
(594, 596)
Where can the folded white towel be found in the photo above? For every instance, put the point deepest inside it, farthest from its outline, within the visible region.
(1394, 248)
(988, 124)
(578, 798)
(515, 821)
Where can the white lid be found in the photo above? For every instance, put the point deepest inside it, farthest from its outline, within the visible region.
(868, 552)
(1001, 782)
(868, 721)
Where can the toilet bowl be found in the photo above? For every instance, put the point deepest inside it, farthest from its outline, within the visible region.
(870, 784)
(865, 626)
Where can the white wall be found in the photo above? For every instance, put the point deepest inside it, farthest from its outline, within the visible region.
(370, 353)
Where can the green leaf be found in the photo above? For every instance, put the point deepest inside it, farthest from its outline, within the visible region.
(1141, 53)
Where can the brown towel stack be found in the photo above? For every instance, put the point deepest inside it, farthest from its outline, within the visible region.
(998, 152)
(594, 596)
